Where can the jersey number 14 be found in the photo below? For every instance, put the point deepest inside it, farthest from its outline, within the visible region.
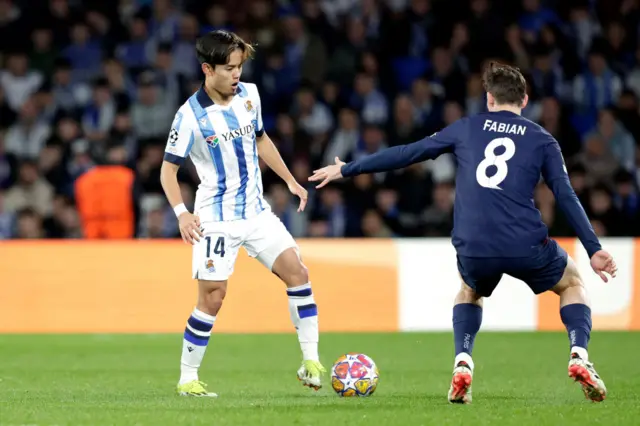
(217, 249)
(499, 161)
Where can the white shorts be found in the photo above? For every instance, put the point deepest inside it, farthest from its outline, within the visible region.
(263, 236)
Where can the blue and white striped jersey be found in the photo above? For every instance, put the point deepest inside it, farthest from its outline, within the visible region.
(221, 142)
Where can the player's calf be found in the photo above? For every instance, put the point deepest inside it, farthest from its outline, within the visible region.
(467, 318)
(197, 334)
(574, 309)
(211, 294)
(576, 316)
(304, 314)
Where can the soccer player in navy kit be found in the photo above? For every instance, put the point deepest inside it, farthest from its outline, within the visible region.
(497, 229)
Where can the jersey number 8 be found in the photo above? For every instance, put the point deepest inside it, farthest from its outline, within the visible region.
(500, 161)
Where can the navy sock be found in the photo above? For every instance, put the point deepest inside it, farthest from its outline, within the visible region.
(467, 318)
(577, 318)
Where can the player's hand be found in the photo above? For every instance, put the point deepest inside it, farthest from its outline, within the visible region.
(190, 228)
(296, 189)
(328, 173)
(602, 262)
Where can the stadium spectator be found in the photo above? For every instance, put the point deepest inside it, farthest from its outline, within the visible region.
(43, 53)
(616, 138)
(84, 54)
(26, 137)
(31, 191)
(29, 225)
(136, 52)
(81, 82)
(99, 114)
(18, 81)
(68, 95)
(152, 112)
(64, 221)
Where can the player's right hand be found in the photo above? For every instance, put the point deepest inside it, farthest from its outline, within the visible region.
(190, 228)
(602, 262)
(328, 173)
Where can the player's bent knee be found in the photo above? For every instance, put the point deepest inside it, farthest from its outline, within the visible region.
(570, 279)
(571, 283)
(468, 295)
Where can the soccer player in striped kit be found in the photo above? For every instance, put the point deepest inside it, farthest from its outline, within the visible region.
(220, 128)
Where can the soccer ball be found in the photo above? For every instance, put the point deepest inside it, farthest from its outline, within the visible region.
(354, 374)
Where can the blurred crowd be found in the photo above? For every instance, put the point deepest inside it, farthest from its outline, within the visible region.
(91, 84)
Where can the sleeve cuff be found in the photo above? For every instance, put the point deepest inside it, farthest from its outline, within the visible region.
(347, 170)
(174, 159)
(593, 249)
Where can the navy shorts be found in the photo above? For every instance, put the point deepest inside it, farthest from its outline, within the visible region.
(541, 271)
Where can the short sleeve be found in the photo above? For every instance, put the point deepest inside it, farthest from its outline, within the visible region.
(259, 123)
(180, 140)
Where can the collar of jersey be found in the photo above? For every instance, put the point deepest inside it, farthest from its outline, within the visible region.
(205, 101)
(502, 112)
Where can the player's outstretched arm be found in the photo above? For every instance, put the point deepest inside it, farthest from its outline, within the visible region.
(271, 156)
(396, 157)
(555, 175)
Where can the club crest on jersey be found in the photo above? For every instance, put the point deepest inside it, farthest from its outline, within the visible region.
(210, 266)
(248, 106)
(212, 141)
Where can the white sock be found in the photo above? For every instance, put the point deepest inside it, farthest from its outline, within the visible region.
(582, 352)
(194, 345)
(463, 356)
(304, 315)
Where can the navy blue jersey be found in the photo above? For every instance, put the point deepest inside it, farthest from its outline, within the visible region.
(500, 158)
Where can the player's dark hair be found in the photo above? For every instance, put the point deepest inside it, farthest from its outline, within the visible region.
(215, 48)
(506, 83)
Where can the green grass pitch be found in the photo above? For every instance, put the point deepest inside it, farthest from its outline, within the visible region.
(520, 379)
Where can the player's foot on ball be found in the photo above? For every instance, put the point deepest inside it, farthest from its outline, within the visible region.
(195, 388)
(460, 390)
(310, 374)
(583, 372)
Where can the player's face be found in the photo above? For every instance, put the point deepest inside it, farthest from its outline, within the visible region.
(225, 78)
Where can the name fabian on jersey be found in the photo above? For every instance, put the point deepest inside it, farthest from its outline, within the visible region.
(494, 126)
(214, 140)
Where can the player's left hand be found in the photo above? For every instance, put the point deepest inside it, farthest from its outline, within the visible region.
(296, 189)
(602, 262)
(328, 173)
